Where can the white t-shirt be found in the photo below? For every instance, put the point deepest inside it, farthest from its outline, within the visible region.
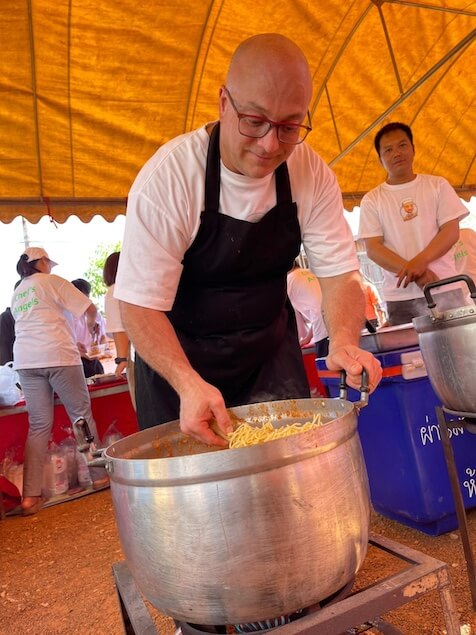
(82, 332)
(113, 313)
(304, 292)
(167, 198)
(464, 253)
(409, 216)
(43, 331)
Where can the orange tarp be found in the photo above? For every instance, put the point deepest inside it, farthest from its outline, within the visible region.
(89, 90)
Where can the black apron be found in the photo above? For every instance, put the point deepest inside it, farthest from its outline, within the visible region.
(231, 313)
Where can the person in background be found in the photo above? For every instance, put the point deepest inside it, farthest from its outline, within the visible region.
(409, 224)
(214, 222)
(464, 253)
(48, 361)
(304, 292)
(374, 313)
(7, 334)
(84, 338)
(114, 324)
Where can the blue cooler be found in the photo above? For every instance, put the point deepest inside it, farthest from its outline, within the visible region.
(400, 439)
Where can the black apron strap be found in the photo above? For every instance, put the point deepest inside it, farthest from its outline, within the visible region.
(283, 186)
(212, 174)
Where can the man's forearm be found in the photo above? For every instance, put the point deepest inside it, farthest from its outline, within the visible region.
(156, 342)
(91, 314)
(383, 256)
(344, 308)
(121, 341)
(442, 242)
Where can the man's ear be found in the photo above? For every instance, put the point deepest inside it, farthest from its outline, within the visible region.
(222, 100)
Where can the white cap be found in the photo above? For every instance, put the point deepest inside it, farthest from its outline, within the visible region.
(35, 253)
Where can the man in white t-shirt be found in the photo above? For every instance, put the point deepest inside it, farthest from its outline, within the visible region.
(464, 253)
(86, 340)
(214, 222)
(409, 224)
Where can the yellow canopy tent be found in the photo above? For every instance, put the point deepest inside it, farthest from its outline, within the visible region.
(89, 90)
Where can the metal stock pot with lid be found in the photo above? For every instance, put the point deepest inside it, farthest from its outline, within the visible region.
(448, 346)
(215, 536)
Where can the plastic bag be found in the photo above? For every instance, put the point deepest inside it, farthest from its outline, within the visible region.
(55, 472)
(10, 494)
(10, 390)
(69, 447)
(84, 476)
(111, 435)
(12, 469)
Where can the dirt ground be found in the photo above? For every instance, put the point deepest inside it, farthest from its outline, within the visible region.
(56, 577)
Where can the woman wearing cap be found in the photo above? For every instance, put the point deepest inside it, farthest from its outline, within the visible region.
(48, 361)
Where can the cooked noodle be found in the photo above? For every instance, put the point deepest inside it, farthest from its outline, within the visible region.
(246, 434)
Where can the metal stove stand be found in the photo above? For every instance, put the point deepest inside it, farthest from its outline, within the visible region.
(354, 614)
(444, 425)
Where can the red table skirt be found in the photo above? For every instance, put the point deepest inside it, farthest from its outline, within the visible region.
(111, 404)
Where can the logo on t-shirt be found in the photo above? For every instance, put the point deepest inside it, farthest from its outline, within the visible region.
(25, 301)
(408, 209)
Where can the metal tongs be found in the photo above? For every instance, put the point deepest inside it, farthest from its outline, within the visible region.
(364, 389)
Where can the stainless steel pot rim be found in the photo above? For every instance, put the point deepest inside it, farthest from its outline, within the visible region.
(448, 317)
(169, 470)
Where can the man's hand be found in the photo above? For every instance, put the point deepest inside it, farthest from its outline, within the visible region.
(82, 349)
(353, 360)
(412, 270)
(201, 404)
(427, 277)
(120, 368)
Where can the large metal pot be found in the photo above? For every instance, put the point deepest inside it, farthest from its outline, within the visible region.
(448, 346)
(217, 536)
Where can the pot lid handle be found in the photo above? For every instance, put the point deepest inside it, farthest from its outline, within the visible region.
(440, 283)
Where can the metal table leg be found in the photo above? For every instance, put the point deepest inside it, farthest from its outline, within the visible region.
(136, 617)
(443, 425)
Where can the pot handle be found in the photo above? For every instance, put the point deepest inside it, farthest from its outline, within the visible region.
(364, 388)
(440, 283)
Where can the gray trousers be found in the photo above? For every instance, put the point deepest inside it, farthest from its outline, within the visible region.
(39, 386)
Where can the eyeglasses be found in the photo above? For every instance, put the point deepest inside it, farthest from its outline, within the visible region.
(258, 127)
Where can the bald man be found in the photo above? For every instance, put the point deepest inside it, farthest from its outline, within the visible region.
(214, 222)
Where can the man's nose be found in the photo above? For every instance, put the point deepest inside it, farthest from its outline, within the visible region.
(270, 140)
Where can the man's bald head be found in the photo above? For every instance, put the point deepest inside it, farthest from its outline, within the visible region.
(270, 57)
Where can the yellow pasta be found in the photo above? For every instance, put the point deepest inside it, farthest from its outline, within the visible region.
(246, 434)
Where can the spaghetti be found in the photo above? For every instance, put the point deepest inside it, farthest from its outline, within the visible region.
(246, 434)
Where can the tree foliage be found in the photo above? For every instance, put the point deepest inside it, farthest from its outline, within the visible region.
(95, 269)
